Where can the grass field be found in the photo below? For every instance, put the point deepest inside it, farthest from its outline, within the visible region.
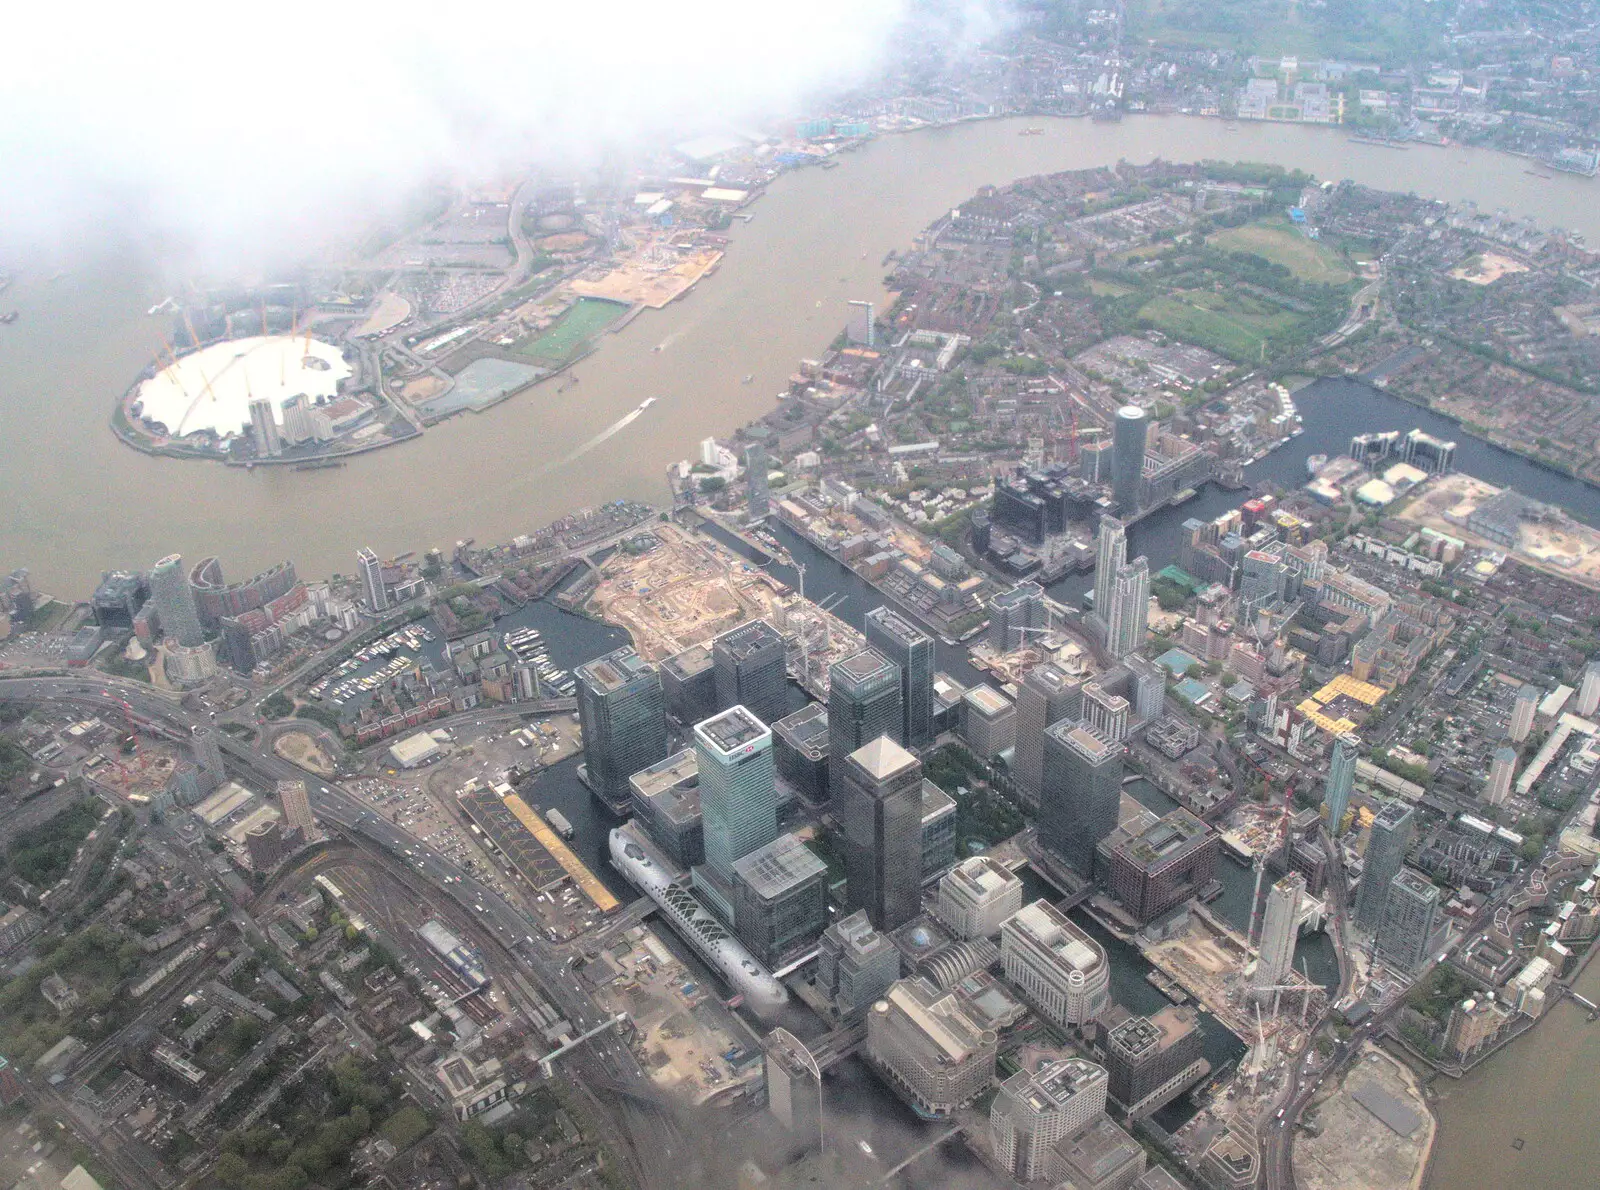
(1229, 324)
(1108, 288)
(582, 322)
(1277, 241)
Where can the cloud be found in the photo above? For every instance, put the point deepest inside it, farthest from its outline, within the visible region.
(254, 129)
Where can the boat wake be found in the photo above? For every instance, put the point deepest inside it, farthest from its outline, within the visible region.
(614, 428)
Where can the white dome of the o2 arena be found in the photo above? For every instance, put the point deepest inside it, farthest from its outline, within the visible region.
(211, 389)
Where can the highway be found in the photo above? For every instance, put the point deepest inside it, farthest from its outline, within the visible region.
(605, 1059)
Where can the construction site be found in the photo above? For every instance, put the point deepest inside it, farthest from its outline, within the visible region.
(686, 589)
(1501, 519)
(657, 272)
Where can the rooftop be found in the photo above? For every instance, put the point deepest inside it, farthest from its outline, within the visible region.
(1083, 740)
(613, 671)
(862, 668)
(1141, 1035)
(936, 803)
(733, 729)
(749, 639)
(883, 758)
(897, 627)
(940, 1017)
(806, 730)
(696, 659)
(783, 864)
(982, 875)
(987, 701)
(1047, 926)
(1168, 836)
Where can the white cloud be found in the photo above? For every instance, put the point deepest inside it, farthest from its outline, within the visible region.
(252, 129)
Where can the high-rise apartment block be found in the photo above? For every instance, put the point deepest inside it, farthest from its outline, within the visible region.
(1589, 689)
(1128, 434)
(1502, 768)
(1341, 780)
(1280, 929)
(373, 591)
(1058, 967)
(929, 1048)
(1035, 1109)
(903, 643)
(878, 802)
(1385, 856)
(169, 590)
(1110, 556)
(1410, 924)
(755, 471)
(1128, 618)
(297, 815)
(1105, 713)
(1522, 712)
(977, 896)
(750, 670)
(264, 430)
(1081, 796)
(624, 718)
(856, 965)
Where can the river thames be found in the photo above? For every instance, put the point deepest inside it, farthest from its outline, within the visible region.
(77, 501)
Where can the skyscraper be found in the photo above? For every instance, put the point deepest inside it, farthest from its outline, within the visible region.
(264, 429)
(1127, 458)
(863, 704)
(749, 663)
(623, 714)
(755, 473)
(174, 600)
(1522, 712)
(1047, 695)
(1502, 768)
(1341, 779)
(1279, 930)
(860, 328)
(689, 679)
(297, 815)
(1589, 689)
(1014, 615)
(1110, 556)
(208, 758)
(1128, 618)
(373, 591)
(903, 643)
(878, 802)
(856, 965)
(738, 791)
(1081, 795)
(1410, 921)
(1035, 1109)
(1386, 855)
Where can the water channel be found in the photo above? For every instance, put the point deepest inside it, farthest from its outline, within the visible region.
(78, 501)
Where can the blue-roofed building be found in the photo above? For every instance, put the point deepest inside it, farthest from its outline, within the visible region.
(1177, 662)
(1192, 692)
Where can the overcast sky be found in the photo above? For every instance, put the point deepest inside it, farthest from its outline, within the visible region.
(237, 128)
